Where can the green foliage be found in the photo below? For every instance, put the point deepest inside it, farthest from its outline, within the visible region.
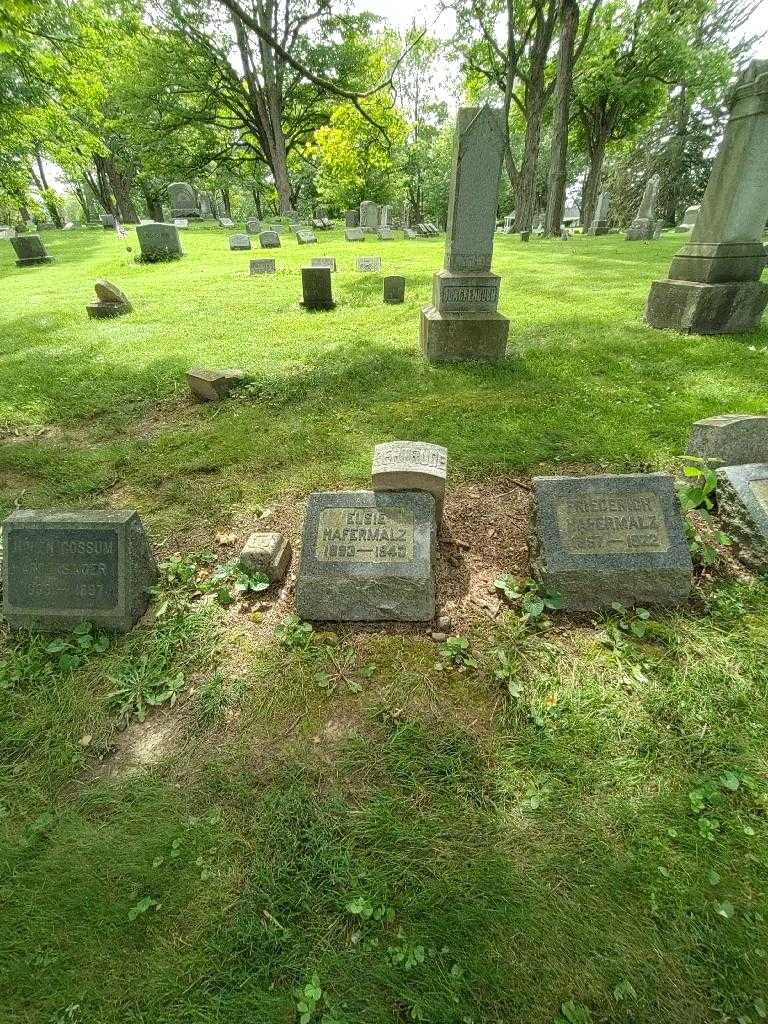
(698, 495)
(532, 598)
(142, 685)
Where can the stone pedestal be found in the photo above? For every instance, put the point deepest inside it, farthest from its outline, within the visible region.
(598, 227)
(692, 307)
(640, 230)
(453, 337)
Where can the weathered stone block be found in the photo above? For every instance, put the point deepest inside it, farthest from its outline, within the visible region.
(385, 234)
(369, 264)
(368, 557)
(269, 240)
(354, 234)
(239, 242)
(603, 539)
(394, 290)
(462, 293)
(695, 308)
(269, 553)
(30, 251)
(718, 262)
(316, 288)
(742, 504)
(411, 466)
(63, 568)
(733, 439)
(253, 225)
(110, 301)
(304, 237)
(158, 242)
(214, 385)
(453, 337)
(329, 262)
(265, 266)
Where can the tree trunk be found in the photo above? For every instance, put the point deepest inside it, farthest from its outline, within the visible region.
(46, 194)
(101, 186)
(592, 184)
(526, 194)
(121, 187)
(569, 24)
(225, 200)
(152, 199)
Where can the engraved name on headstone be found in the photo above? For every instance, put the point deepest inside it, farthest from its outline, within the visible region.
(369, 264)
(265, 266)
(411, 466)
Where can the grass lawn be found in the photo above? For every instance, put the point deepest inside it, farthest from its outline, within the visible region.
(346, 826)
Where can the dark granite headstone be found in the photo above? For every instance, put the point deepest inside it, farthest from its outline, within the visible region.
(352, 219)
(30, 251)
(742, 503)
(368, 557)
(62, 568)
(316, 288)
(394, 290)
(602, 539)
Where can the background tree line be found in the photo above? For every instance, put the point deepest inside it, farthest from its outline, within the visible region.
(280, 105)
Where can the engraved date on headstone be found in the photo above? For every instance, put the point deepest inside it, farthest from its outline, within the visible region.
(624, 524)
(364, 535)
(63, 569)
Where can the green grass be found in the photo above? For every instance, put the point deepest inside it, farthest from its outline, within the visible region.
(596, 836)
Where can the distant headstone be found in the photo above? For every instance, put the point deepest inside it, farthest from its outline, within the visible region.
(110, 301)
(394, 290)
(423, 231)
(352, 218)
(267, 553)
(329, 262)
(565, 235)
(240, 241)
(181, 223)
(318, 224)
(226, 222)
(354, 234)
(643, 226)
(253, 224)
(742, 503)
(30, 251)
(214, 385)
(158, 242)
(714, 284)
(184, 201)
(368, 557)
(463, 322)
(509, 224)
(411, 466)
(384, 215)
(265, 266)
(571, 215)
(207, 207)
(316, 288)
(305, 237)
(369, 264)
(410, 233)
(63, 568)
(525, 236)
(385, 234)
(732, 439)
(688, 223)
(269, 240)
(369, 216)
(604, 539)
(599, 225)
(107, 221)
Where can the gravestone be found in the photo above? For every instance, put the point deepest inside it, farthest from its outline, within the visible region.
(411, 466)
(599, 225)
(110, 301)
(304, 237)
(742, 504)
(239, 242)
(318, 224)
(369, 216)
(107, 221)
(262, 266)
(462, 322)
(214, 385)
(30, 251)
(316, 288)
(571, 215)
(410, 233)
(604, 539)
(385, 234)
(369, 264)
(268, 553)
(354, 234)
(207, 205)
(714, 284)
(269, 240)
(509, 224)
(63, 568)
(384, 215)
(253, 224)
(368, 557)
(643, 226)
(525, 236)
(329, 262)
(226, 222)
(565, 235)
(158, 242)
(352, 218)
(181, 223)
(183, 198)
(730, 440)
(394, 290)
(688, 223)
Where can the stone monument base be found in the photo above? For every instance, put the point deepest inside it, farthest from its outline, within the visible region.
(718, 262)
(453, 337)
(600, 228)
(34, 261)
(640, 230)
(692, 307)
(105, 310)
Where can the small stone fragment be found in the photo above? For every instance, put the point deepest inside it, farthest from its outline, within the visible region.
(214, 385)
(269, 553)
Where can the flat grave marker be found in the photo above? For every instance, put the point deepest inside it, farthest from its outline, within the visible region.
(265, 266)
(369, 264)
(742, 502)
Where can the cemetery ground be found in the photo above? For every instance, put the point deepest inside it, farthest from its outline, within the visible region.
(562, 819)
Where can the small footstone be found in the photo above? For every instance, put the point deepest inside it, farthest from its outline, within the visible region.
(730, 440)
(316, 288)
(304, 237)
(329, 262)
(269, 240)
(269, 553)
(411, 466)
(604, 539)
(369, 264)
(214, 385)
(266, 266)
(742, 502)
(110, 301)
(354, 234)
(368, 557)
(63, 568)
(394, 290)
(240, 241)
